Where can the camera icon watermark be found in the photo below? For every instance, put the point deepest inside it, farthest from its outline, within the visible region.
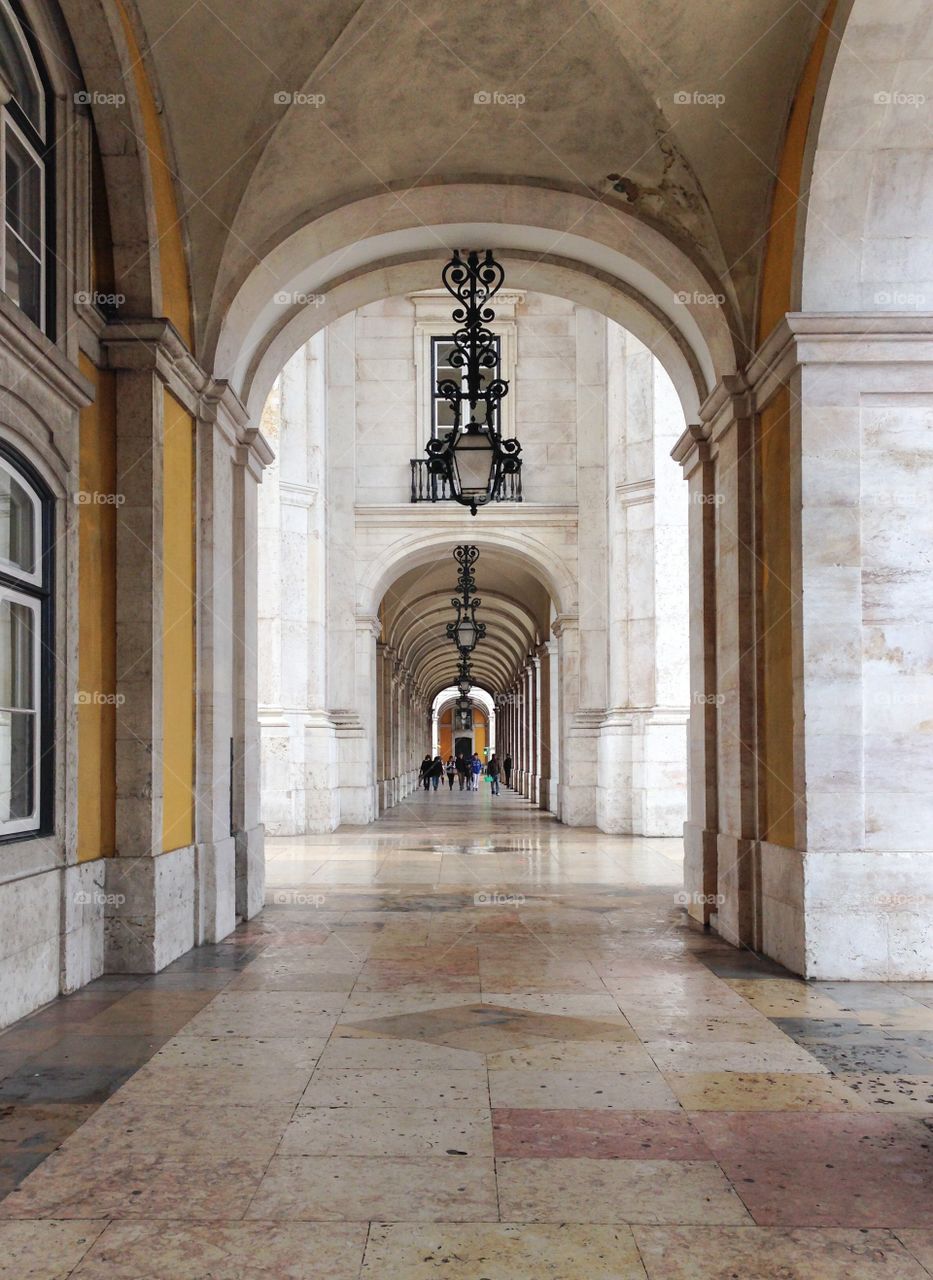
(91, 98)
(97, 898)
(696, 298)
(896, 98)
(495, 98)
(94, 698)
(684, 899)
(903, 299)
(288, 298)
(697, 98)
(285, 99)
(298, 898)
(91, 498)
(94, 298)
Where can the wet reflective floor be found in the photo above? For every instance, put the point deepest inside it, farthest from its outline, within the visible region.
(467, 1042)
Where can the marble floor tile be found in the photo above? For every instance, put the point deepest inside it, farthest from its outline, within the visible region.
(890, 1092)
(617, 1191)
(47, 1250)
(351, 1049)
(759, 1091)
(677, 1056)
(291, 1015)
(127, 1128)
(630, 1091)
(501, 1251)
(380, 1130)
(225, 1251)
(826, 1170)
(198, 1071)
(79, 1184)
(524, 1133)
(361, 1189)
(625, 1055)
(763, 1253)
(396, 1088)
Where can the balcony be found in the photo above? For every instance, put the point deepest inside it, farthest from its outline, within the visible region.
(427, 486)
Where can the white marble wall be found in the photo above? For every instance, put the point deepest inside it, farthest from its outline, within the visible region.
(643, 744)
(335, 515)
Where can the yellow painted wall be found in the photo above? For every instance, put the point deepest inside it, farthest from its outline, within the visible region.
(774, 623)
(773, 458)
(778, 267)
(97, 621)
(446, 736)
(176, 292)
(178, 626)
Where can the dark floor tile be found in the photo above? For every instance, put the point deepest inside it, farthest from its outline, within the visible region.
(64, 1083)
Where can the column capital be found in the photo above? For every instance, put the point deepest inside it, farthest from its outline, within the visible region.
(563, 622)
(369, 622)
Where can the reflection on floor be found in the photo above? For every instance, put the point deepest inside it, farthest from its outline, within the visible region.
(468, 1042)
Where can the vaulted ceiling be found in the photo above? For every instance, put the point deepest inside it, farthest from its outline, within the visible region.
(417, 608)
(601, 84)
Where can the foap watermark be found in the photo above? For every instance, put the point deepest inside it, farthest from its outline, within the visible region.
(898, 899)
(95, 698)
(493, 899)
(103, 301)
(97, 898)
(91, 498)
(904, 299)
(699, 98)
(290, 298)
(285, 99)
(708, 699)
(696, 298)
(707, 499)
(92, 98)
(897, 98)
(298, 898)
(508, 700)
(684, 899)
(495, 98)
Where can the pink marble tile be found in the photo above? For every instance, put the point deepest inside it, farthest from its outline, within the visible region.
(617, 1135)
(836, 1169)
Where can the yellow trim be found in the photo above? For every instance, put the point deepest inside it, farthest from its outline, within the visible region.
(178, 626)
(176, 290)
(777, 272)
(775, 624)
(97, 621)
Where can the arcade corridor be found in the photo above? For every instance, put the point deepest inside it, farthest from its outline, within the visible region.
(467, 1041)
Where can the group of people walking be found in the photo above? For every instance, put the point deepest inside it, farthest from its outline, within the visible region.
(467, 770)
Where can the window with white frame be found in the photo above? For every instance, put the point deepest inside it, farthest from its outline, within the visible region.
(442, 349)
(24, 177)
(25, 649)
(434, 346)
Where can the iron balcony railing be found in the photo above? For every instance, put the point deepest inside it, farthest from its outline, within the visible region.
(428, 486)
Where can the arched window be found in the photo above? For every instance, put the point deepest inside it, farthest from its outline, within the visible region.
(26, 641)
(24, 171)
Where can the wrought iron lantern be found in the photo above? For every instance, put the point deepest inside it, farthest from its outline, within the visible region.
(472, 461)
(465, 680)
(464, 713)
(465, 631)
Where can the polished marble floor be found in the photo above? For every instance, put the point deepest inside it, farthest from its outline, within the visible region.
(469, 1043)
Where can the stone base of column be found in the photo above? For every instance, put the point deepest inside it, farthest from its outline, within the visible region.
(643, 773)
(84, 899)
(149, 919)
(250, 872)
(217, 889)
(734, 917)
(700, 873)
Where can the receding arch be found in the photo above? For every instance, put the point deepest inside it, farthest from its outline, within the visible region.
(584, 249)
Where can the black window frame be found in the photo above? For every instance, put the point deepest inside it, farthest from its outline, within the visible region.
(437, 340)
(44, 147)
(44, 593)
